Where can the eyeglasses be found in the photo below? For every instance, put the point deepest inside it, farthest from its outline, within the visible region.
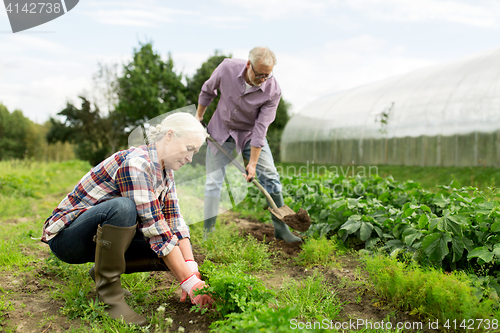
(261, 76)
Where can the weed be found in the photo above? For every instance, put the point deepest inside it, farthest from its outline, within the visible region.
(5, 307)
(320, 251)
(159, 322)
(312, 297)
(226, 246)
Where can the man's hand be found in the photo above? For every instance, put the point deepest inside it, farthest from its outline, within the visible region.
(250, 171)
(252, 163)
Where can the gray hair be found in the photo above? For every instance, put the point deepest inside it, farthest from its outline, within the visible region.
(262, 54)
(183, 124)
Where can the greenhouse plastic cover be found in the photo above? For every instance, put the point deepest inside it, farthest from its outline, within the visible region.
(455, 98)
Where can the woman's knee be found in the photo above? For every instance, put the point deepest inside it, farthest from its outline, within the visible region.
(123, 212)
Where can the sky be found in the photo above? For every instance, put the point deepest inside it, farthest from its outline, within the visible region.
(322, 46)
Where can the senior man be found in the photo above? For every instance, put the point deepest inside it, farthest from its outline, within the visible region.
(249, 98)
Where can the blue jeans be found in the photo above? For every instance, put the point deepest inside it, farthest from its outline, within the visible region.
(75, 243)
(216, 168)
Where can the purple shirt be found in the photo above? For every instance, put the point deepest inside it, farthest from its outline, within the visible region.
(244, 116)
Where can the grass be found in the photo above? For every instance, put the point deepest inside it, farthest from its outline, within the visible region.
(30, 191)
(5, 307)
(245, 305)
(24, 186)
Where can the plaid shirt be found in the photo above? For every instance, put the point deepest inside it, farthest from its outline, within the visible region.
(136, 174)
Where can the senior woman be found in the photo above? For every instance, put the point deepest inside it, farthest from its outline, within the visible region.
(124, 216)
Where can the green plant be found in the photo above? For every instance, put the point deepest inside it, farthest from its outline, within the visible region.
(139, 284)
(5, 307)
(454, 228)
(233, 290)
(320, 251)
(77, 305)
(312, 297)
(262, 318)
(226, 246)
(159, 322)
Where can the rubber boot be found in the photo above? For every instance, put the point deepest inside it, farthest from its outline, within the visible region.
(281, 230)
(211, 209)
(138, 265)
(126, 293)
(111, 244)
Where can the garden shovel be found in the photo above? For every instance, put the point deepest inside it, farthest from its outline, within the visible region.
(298, 221)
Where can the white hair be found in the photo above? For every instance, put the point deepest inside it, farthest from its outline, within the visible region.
(262, 54)
(181, 123)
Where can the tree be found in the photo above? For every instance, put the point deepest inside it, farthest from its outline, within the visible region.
(195, 83)
(87, 129)
(14, 128)
(149, 87)
(105, 95)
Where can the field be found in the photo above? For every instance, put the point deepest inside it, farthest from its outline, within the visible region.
(373, 261)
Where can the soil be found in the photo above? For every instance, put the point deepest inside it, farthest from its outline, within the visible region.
(300, 221)
(35, 310)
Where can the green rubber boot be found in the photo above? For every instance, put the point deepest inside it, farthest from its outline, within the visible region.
(111, 244)
(211, 209)
(138, 265)
(281, 230)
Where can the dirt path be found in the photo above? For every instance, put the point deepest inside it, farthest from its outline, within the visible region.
(34, 310)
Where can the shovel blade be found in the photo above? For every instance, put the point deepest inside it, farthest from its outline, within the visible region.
(298, 221)
(281, 212)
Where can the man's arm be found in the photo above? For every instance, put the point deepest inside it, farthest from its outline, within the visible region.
(200, 112)
(209, 91)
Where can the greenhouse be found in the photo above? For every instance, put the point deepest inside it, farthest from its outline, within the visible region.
(445, 115)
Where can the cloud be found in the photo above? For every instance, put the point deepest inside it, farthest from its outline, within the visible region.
(38, 76)
(42, 97)
(340, 65)
(135, 13)
(281, 9)
(40, 86)
(485, 14)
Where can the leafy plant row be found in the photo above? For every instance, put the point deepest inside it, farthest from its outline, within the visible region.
(455, 228)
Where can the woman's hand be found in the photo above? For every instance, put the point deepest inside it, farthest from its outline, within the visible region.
(193, 266)
(192, 284)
